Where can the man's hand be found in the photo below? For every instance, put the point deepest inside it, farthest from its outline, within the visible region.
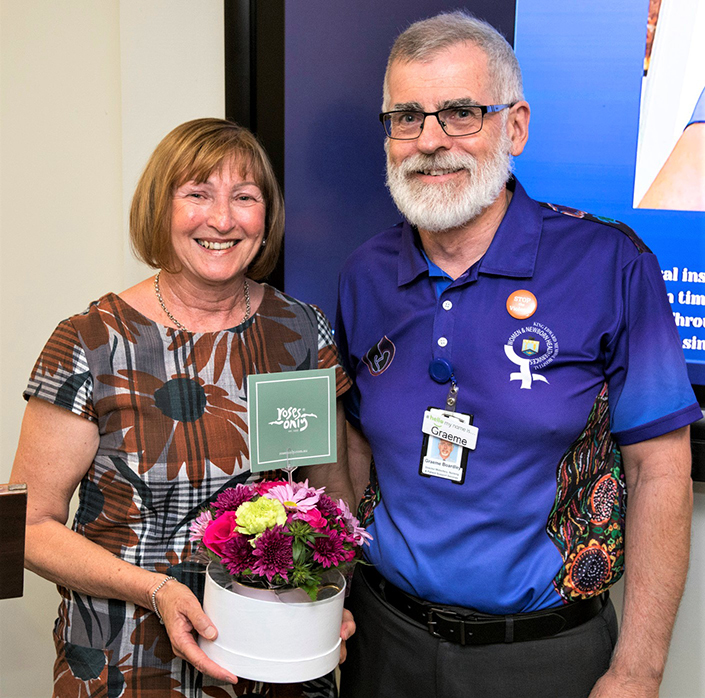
(347, 630)
(612, 685)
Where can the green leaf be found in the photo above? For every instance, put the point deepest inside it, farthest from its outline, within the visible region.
(298, 551)
(311, 590)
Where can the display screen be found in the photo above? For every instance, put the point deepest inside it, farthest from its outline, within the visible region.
(613, 87)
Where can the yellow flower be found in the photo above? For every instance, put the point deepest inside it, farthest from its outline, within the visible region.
(255, 517)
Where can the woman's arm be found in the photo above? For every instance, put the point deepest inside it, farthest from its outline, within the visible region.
(55, 451)
(335, 477)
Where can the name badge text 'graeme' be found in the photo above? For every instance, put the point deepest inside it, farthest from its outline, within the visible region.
(464, 435)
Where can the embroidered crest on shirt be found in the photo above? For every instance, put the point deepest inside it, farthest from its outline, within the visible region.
(380, 356)
(531, 348)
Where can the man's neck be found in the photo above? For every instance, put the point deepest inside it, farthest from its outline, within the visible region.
(457, 249)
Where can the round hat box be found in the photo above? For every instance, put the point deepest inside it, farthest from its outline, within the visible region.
(276, 636)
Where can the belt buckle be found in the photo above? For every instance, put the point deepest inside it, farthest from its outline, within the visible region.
(447, 614)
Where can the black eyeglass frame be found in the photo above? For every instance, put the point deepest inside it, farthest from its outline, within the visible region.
(484, 109)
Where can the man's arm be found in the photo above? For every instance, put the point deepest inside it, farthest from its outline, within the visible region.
(657, 547)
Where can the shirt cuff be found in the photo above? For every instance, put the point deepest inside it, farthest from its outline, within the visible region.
(659, 427)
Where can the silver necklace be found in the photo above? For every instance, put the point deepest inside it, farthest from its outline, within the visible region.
(176, 322)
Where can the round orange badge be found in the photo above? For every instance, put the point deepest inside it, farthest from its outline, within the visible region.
(521, 304)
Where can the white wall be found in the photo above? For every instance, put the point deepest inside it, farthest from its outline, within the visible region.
(87, 89)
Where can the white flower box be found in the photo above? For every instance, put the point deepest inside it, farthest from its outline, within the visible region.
(276, 636)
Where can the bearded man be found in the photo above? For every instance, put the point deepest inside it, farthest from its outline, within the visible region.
(538, 339)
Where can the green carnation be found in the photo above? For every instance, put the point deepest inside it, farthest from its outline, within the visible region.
(255, 517)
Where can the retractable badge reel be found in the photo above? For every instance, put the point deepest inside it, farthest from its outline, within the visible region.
(448, 436)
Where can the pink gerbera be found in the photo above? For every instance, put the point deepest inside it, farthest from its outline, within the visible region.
(296, 496)
(273, 554)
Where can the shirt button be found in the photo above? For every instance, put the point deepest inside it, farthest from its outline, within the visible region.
(442, 341)
(447, 305)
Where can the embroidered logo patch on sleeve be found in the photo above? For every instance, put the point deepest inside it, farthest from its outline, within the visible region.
(380, 356)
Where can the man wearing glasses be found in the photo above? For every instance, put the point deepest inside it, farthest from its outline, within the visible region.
(538, 339)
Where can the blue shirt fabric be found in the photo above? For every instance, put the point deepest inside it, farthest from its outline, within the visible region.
(539, 519)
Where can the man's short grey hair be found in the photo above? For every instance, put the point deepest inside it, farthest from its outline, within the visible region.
(425, 39)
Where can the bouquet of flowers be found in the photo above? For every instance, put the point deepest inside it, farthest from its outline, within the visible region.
(279, 534)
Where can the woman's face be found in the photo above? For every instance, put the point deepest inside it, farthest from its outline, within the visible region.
(217, 226)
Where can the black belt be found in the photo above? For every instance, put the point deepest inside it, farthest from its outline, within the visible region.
(468, 627)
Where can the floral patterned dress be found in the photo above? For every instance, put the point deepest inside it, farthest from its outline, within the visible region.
(171, 410)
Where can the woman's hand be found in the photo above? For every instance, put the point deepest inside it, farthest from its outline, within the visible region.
(347, 630)
(183, 618)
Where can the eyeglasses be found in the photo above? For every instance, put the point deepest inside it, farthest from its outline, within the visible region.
(464, 120)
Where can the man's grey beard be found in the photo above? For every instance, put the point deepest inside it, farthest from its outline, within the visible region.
(452, 204)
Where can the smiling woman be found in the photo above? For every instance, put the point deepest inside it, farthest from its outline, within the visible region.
(140, 401)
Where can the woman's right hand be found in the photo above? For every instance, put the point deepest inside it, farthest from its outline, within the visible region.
(184, 619)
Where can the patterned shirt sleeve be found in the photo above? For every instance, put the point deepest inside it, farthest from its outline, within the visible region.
(328, 353)
(61, 374)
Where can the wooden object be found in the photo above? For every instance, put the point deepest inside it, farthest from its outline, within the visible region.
(13, 513)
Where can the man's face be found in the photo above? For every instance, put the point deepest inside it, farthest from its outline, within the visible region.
(439, 182)
(445, 448)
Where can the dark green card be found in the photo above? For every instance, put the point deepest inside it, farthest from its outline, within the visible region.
(292, 419)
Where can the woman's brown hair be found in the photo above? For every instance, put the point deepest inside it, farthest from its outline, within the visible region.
(192, 152)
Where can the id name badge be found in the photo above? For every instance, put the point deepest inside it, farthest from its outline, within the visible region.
(448, 439)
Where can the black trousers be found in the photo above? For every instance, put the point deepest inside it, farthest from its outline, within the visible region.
(391, 656)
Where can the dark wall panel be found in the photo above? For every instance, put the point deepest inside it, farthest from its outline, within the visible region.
(336, 54)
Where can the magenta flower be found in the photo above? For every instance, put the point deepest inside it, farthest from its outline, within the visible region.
(237, 554)
(328, 507)
(273, 554)
(313, 518)
(232, 498)
(292, 497)
(330, 551)
(264, 486)
(219, 531)
(198, 526)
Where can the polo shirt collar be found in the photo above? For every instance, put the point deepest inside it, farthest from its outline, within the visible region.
(512, 251)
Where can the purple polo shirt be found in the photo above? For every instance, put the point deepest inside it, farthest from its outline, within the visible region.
(539, 519)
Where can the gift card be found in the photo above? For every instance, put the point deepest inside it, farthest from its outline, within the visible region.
(292, 419)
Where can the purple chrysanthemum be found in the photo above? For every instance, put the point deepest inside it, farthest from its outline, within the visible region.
(328, 507)
(330, 550)
(232, 498)
(273, 554)
(237, 554)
